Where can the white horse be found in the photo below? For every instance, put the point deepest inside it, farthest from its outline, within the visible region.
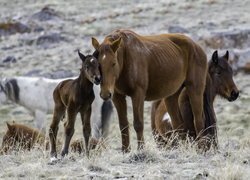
(36, 95)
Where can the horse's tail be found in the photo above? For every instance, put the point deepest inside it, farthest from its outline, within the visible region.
(107, 109)
(210, 118)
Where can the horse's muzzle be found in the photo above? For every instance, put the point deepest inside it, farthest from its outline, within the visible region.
(106, 96)
(97, 80)
(234, 95)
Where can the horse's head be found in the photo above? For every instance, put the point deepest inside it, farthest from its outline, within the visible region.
(9, 137)
(222, 74)
(90, 67)
(108, 61)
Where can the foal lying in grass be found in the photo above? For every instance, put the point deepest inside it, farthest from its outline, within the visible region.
(21, 137)
(73, 96)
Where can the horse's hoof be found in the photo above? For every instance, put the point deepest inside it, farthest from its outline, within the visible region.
(126, 150)
(64, 153)
(53, 160)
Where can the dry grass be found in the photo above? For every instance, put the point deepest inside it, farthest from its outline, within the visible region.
(79, 21)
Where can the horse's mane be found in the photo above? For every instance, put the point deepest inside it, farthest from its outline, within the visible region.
(11, 89)
(127, 37)
(209, 115)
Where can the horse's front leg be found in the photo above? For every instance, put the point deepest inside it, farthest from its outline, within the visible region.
(69, 128)
(121, 107)
(40, 120)
(85, 116)
(138, 107)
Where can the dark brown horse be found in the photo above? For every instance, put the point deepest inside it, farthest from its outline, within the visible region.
(74, 96)
(21, 137)
(219, 82)
(151, 68)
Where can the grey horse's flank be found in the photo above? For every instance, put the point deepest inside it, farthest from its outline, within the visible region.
(35, 94)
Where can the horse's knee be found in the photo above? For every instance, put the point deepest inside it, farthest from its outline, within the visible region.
(53, 130)
(69, 131)
(138, 126)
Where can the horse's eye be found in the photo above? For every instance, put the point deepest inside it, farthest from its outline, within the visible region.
(86, 67)
(113, 64)
(218, 72)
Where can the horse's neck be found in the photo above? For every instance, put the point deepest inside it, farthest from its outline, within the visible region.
(210, 90)
(84, 83)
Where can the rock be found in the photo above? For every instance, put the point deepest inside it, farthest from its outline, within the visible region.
(47, 39)
(10, 28)
(9, 59)
(59, 74)
(46, 14)
(34, 72)
(246, 68)
(228, 39)
(240, 59)
(177, 29)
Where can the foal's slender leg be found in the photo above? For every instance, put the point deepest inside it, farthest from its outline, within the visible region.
(59, 112)
(138, 107)
(69, 128)
(121, 107)
(85, 116)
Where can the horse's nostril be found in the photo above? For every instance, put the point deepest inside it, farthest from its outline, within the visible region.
(234, 94)
(97, 80)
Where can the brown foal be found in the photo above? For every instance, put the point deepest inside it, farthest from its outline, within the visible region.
(74, 96)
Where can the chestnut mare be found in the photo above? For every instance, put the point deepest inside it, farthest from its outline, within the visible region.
(21, 137)
(74, 96)
(151, 68)
(219, 82)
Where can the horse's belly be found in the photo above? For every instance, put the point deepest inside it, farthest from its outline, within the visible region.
(165, 89)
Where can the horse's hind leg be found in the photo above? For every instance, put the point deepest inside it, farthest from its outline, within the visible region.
(174, 111)
(85, 116)
(196, 100)
(59, 112)
(195, 86)
(154, 107)
(138, 107)
(69, 128)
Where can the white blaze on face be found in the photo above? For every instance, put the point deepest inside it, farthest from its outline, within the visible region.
(166, 117)
(91, 60)
(103, 57)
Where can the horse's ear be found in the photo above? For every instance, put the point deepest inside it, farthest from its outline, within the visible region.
(226, 55)
(115, 45)
(10, 127)
(81, 56)
(215, 57)
(95, 43)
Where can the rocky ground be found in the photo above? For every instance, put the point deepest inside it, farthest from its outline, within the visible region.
(41, 39)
